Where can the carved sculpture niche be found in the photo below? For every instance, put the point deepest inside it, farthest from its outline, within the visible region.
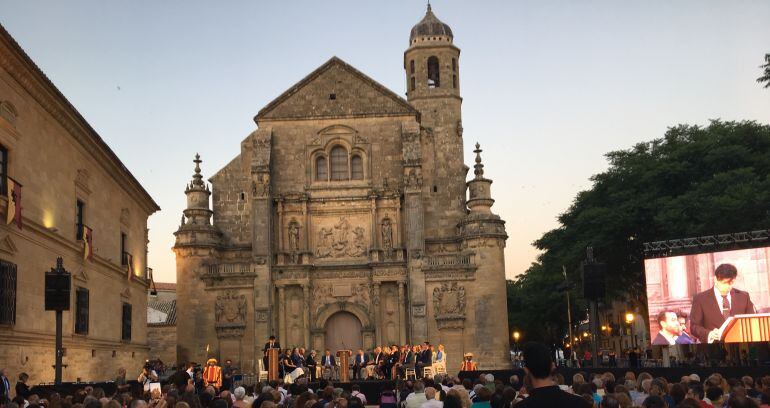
(294, 240)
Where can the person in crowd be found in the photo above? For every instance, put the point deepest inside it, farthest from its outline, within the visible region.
(714, 396)
(22, 389)
(431, 400)
(240, 394)
(544, 392)
(712, 307)
(417, 397)
(356, 393)
(147, 376)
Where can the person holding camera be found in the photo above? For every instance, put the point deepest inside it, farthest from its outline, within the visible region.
(147, 376)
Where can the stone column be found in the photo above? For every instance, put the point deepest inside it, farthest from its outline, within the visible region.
(401, 314)
(282, 314)
(377, 314)
(306, 314)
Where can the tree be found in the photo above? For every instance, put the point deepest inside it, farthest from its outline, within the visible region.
(694, 181)
(765, 78)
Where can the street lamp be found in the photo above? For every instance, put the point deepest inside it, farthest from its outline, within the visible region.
(630, 320)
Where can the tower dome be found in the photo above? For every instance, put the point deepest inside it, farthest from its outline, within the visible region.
(430, 26)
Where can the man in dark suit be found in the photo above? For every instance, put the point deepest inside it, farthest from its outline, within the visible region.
(5, 384)
(359, 362)
(669, 329)
(271, 344)
(311, 364)
(328, 364)
(712, 307)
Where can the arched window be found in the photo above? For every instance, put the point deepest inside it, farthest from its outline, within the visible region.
(433, 74)
(339, 162)
(411, 84)
(356, 168)
(321, 170)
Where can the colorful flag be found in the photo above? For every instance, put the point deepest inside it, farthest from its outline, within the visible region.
(88, 243)
(14, 202)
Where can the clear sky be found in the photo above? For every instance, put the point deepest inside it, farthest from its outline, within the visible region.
(548, 86)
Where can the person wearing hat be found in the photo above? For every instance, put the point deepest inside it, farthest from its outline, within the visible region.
(212, 374)
(468, 363)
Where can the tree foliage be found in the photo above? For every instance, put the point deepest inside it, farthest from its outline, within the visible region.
(765, 78)
(693, 181)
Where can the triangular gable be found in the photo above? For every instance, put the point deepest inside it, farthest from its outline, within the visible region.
(336, 89)
(7, 245)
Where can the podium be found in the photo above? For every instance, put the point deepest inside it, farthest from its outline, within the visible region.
(344, 356)
(746, 328)
(272, 364)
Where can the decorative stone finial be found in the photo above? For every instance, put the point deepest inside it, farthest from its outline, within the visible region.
(478, 168)
(197, 177)
(429, 9)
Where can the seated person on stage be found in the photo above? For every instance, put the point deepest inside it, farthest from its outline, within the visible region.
(440, 357)
(399, 366)
(296, 358)
(359, 364)
(410, 360)
(385, 370)
(373, 368)
(712, 307)
(311, 364)
(290, 367)
(684, 334)
(424, 359)
(328, 365)
(393, 362)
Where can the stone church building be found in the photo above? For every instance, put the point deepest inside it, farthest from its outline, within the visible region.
(343, 223)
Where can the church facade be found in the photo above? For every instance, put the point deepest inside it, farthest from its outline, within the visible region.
(346, 222)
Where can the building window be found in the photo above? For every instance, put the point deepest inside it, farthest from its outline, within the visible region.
(356, 168)
(321, 169)
(339, 163)
(125, 332)
(433, 72)
(3, 169)
(411, 67)
(454, 81)
(7, 293)
(81, 311)
(123, 252)
(454, 65)
(412, 84)
(80, 208)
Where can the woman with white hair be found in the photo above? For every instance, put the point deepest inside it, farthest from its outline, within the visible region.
(240, 394)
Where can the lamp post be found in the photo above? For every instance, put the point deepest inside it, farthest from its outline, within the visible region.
(630, 320)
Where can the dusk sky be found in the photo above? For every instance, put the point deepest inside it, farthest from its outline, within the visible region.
(549, 87)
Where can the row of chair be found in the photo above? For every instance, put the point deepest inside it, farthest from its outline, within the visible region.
(427, 372)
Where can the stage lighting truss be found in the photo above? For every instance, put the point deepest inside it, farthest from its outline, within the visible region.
(724, 242)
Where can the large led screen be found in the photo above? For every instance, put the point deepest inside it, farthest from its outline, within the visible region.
(709, 297)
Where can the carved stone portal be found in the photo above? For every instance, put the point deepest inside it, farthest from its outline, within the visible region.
(230, 314)
(449, 305)
(341, 240)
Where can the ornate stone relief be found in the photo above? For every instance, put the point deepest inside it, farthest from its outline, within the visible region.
(260, 316)
(449, 305)
(294, 240)
(341, 240)
(230, 309)
(418, 310)
(125, 216)
(411, 147)
(386, 230)
(356, 293)
(261, 186)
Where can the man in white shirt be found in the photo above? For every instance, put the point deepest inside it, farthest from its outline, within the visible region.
(417, 398)
(430, 396)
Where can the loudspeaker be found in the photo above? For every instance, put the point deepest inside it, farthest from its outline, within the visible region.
(593, 280)
(57, 291)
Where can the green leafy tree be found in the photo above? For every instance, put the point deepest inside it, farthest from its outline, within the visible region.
(694, 181)
(765, 78)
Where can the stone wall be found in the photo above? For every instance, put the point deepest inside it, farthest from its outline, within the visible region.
(161, 340)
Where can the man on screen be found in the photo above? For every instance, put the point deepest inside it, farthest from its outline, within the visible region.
(712, 307)
(670, 330)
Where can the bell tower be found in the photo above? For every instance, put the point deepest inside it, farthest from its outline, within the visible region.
(432, 67)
